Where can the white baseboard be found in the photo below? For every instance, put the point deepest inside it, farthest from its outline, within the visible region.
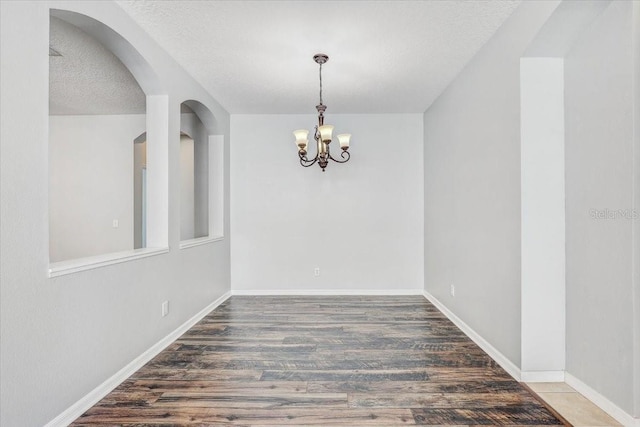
(605, 404)
(542, 376)
(538, 376)
(506, 364)
(95, 395)
(325, 292)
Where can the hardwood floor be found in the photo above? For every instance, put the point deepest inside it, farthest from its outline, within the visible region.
(357, 361)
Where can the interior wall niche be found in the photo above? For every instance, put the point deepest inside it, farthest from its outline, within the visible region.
(194, 175)
(97, 109)
(140, 192)
(201, 183)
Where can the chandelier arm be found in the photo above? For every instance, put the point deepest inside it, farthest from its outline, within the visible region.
(306, 162)
(345, 155)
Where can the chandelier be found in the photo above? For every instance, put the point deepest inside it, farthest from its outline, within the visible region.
(322, 134)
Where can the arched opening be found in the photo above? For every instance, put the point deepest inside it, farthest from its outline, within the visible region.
(201, 174)
(100, 90)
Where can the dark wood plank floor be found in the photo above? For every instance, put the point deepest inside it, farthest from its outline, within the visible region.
(357, 361)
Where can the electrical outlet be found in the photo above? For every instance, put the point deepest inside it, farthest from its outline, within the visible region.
(165, 308)
(116, 224)
(453, 290)
(316, 271)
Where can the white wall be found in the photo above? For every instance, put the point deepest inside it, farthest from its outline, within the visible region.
(187, 193)
(198, 211)
(542, 218)
(359, 222)
(600, 180)
(472, 142)
(201, 182)
(472, 186)
(91, 185)
(139, 202)
(63, 337)
(636, 204)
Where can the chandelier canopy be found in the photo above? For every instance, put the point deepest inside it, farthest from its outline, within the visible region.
(322, 134)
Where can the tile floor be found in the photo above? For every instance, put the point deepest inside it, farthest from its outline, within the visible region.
(573, 406)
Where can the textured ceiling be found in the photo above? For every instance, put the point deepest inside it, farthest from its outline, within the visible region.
(87, 78)
(385, 56)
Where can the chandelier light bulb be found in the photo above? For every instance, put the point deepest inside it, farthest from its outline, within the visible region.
(344, 139)
(300, 134)
(325, 132)
(301, 139)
